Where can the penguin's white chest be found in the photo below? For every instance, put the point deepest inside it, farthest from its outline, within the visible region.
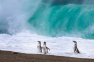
(44, 48)
(39, 47)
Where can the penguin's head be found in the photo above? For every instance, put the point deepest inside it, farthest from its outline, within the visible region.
(44, 42)
(75, 42)
(39, 41)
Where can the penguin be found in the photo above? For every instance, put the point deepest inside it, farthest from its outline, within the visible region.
(39, 47)
(75, 47)
(45, 48)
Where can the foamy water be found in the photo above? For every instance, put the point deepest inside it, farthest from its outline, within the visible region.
(25, 42)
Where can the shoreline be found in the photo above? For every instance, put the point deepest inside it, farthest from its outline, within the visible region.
(9, 56)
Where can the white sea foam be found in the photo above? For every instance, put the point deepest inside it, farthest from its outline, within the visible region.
(25, 42)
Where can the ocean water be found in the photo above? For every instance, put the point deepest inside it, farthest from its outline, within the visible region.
(70, 20)
(23, 23)
(64, 20)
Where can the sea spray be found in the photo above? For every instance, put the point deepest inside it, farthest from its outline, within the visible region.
(14, 15)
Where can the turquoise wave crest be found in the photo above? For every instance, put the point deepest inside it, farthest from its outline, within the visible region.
(64, 20)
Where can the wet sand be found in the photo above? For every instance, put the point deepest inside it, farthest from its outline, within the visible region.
(8, 56)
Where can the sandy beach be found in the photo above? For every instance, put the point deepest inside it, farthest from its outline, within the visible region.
(8, 56)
